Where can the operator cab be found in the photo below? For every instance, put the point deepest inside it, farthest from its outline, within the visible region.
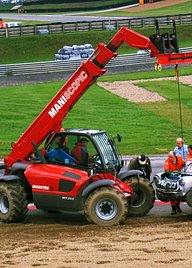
(84, 148)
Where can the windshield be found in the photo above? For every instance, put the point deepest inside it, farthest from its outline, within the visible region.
(106, 145)
(188, 167)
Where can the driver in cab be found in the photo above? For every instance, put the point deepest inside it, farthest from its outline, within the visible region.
(80, 152)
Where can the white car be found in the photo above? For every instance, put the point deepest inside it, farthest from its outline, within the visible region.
(175, 186)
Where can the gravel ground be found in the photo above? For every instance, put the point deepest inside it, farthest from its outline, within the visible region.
(129, 90)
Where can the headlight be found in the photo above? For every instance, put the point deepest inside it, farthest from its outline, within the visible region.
(157, 182)
(181, 182)
(156, 178)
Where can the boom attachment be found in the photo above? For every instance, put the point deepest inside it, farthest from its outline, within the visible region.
(167, 44)
(50, 119)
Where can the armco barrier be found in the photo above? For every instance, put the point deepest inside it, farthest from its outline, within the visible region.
(122, 63)
(111, 23)
(71, 66)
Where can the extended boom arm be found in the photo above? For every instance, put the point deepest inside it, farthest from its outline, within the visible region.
(50, 119)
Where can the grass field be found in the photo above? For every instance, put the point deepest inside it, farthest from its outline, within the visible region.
(183, 8)
(149, 128)
(44, 47)
(81, 5)
(71, 6)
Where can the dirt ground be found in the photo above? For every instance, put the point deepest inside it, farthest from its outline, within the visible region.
(68, 241)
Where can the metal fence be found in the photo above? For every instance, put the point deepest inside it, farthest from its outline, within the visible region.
(122, 63)
(110, 24)
(71, 66)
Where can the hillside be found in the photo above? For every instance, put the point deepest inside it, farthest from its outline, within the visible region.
(44, 47)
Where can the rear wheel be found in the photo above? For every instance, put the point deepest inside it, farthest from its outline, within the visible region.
(106, 206)
(13, 202)
(144, 198)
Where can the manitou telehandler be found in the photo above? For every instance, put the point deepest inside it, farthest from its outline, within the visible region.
(42, 169)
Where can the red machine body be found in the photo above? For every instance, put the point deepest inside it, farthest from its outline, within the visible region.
(60, 187)
(50, 119)
(51, 185)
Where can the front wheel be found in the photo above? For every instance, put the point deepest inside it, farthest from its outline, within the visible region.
(13, 202)
(106, 206)
(144, 198)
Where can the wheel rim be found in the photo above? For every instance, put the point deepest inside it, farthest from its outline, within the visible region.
(106, 209)
(4, 204)
(139, 198)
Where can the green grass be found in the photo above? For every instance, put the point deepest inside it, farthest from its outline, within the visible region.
(44, 47)
(146, 74)
(170, 108)
(149, 128)
(5, 7)
(81, 5)
(71, 7)
(26, 22)
(183, 8)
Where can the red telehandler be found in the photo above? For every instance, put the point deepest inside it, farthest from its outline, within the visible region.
(52, 178)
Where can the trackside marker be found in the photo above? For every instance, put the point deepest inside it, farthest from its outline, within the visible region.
(31, 207)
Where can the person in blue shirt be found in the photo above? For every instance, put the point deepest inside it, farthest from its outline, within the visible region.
(181, 149)
(60, 153)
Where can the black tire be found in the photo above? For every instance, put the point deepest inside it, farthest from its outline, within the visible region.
(13, 202)
(144, 198)
(106, 206)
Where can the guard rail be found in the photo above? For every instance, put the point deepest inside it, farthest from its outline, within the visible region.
(110, 24)
(122, 63)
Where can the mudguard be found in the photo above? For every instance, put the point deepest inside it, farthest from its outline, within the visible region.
(129, 173)
(18, 166)
(95, 185)
(9, 178)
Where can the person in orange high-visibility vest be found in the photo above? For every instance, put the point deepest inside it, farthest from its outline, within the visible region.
(174, 163)
(189, 155)
(2, 24)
